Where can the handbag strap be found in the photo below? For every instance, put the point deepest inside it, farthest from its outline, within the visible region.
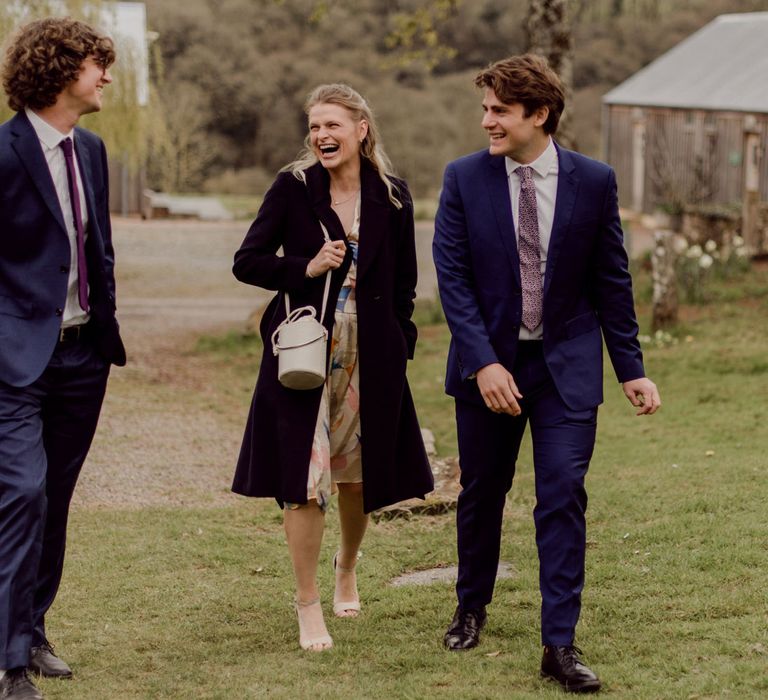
(292, 317)
(327, 276)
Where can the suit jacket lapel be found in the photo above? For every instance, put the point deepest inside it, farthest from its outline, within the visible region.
(86, 174)
(94, 240)
(30, 152)
(498, 188)
(567, 190)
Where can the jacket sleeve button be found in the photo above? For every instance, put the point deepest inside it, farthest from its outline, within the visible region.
(59, 312)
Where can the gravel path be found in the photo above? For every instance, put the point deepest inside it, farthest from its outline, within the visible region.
(165, 435)
(171, 423)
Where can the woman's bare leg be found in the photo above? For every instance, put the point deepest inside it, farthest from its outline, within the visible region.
(304, 532)
(353, 525)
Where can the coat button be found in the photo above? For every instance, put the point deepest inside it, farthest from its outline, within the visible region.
(64, 268)
(59, 312)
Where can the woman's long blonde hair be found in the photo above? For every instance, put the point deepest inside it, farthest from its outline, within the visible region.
(370, 148)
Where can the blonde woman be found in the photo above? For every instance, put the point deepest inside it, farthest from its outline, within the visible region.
(358, 433)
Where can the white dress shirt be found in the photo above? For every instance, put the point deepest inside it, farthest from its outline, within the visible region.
(545, 169)
(50, 138)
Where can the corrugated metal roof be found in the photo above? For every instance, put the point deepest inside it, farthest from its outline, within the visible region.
(723, 66)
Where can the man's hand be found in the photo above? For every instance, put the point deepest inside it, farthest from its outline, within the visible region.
(498, 389)
(643, 394)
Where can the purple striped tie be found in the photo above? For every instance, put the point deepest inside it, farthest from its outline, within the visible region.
(74, 196)
(529, 249)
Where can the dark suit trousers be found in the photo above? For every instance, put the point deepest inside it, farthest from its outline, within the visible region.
(489, 443)
(45, 433)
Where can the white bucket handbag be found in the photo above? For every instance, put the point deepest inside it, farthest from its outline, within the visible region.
(300, 343)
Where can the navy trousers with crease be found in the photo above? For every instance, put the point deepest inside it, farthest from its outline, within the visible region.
(563, 441)
(46, 430)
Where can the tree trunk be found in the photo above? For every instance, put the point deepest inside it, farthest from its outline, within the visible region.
(548, 30)
(664, 281)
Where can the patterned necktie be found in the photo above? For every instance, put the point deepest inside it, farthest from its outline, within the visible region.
(74, 196)
(529, 249)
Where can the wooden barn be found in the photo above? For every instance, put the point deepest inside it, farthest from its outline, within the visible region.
(692, 126)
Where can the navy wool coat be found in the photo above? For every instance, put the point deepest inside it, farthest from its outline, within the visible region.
(275, 454)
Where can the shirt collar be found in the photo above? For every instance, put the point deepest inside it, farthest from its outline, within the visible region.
(542, 166)
(48, 135)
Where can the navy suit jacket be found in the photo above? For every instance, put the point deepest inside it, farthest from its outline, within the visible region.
(35, 253)
(587, 287)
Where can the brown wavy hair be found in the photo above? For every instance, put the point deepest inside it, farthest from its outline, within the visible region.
(529, 81)
(46, 55)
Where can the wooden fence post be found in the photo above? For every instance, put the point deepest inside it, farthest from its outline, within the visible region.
(751, 191)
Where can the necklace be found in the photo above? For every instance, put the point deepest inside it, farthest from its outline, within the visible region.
(336, 202)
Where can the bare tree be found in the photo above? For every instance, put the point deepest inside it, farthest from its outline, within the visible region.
(548, 30)
(675, 183)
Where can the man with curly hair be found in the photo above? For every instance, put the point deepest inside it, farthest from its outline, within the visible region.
(58, 332)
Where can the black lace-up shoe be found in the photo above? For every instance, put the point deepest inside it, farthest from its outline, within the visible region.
(15, 685)
(464, 632)
(43, 662)
(563, 665)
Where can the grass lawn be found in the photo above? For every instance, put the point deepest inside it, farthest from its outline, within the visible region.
(184, 603)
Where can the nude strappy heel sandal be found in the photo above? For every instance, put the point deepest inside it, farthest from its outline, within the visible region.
(324, 642)
(340, 607)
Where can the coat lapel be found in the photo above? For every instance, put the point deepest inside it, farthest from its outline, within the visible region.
(567, 190)
(318, 184)
(374, 218)
(30, 152)
(374, 211)
(498, 188)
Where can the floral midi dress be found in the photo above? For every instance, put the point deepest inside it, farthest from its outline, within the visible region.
(336, 451)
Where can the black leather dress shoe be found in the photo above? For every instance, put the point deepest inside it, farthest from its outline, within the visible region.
(43, 662)
(464, 631)
(15, 685)
(563, 665)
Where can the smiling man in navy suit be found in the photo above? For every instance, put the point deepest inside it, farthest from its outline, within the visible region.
(58, 333)
(533, 275)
